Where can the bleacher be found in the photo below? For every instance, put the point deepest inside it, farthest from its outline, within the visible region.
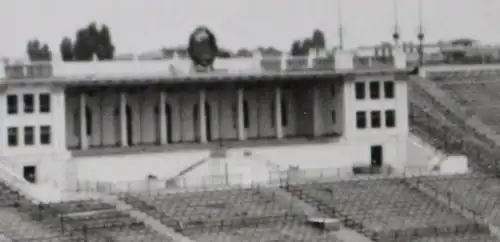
(387, 210)
(237, 214)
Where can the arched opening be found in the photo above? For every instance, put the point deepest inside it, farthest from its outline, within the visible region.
(168, 121)
(208, 122)
(128, 126)
(88, 123)
(284, 113)
(246, 115)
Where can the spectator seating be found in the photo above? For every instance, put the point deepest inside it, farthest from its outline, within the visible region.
(386, 210)
(234, 214)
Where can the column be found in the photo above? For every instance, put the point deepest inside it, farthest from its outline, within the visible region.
(277, 113)
(84, 142)
(123, 119)
(202, 115)
(163, 118)
(241, 120)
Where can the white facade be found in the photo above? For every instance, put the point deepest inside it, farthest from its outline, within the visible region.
(226, 110)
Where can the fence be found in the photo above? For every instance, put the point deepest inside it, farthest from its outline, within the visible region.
(273, 179)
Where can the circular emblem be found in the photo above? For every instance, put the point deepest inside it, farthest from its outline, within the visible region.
(202, 47)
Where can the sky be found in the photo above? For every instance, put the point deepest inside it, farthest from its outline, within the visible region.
(144, 25)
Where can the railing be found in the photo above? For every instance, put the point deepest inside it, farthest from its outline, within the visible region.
(273, 179)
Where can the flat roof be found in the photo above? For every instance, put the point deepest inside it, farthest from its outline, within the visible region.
(180, 71)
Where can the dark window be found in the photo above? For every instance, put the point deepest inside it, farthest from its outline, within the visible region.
(45, 135)
(29, 103)
(246, 115)
(360, 90)
(334, 117)
(235, 115)
(333, 90)
(390, 118)
(284, 112)
(361, 119)
(12, 136)
(44, 99)
(29, 136)
(374, 90)
(389, 89)
(375, 119)
(12, 104)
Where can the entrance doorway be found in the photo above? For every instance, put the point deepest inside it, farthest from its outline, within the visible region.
(208, 121)
(29, 173)
(377, 157)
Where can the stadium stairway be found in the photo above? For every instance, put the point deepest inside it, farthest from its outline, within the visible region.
(310, 211)
(141, 216)
(377, 207)
(443, 100)
(448, 202)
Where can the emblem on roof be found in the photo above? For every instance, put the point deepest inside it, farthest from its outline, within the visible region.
(202, 49)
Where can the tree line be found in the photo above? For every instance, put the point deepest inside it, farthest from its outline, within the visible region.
(93, 42)
(89, 42)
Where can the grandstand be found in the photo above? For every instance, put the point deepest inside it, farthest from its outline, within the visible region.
(262, 149)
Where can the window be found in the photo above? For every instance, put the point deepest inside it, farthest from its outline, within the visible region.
(390, 118)
(374, 90)
(375, 119)
(45, 135)
(389, 89)
(29, 136)
(12, 136)
(44, 100)
(361, 119)
(333, 90)
(12, 104)
(359, 88)
(334, 117)
(29, 102)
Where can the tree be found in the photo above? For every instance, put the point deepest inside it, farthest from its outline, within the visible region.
(82, 50)
(318, 40)
(66, 49)
(105, 49)
(38, 52)
(307, 45)
(295, 49)
(89, 42)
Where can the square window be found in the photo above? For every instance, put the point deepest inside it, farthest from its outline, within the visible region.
(45, 135)
(29, 136)
(12, 136)
(44, 100)
(374, 90)
(29, 103)
(375, 119)
(12, 104)
(390, 118)
(389, 89)
(359, 89)
(361, 119)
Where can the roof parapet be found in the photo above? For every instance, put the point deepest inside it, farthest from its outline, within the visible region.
(340, 60)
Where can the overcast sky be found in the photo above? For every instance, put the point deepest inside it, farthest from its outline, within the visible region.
(144, 25)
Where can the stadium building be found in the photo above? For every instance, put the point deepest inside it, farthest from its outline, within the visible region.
(344, 111)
